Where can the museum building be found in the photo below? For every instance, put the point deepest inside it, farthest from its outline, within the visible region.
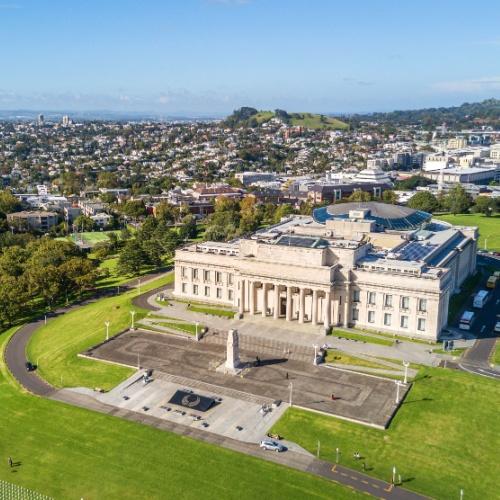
(368, 265)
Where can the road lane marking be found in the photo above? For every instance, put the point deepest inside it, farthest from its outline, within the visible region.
(375, 485)
(333, 469)
(364, 482)
(343, 474)
(354, 477)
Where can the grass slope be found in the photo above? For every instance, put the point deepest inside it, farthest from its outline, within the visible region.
(68, 452)
(445, 437)
(489, 227)
(55, 346)
(306, 120)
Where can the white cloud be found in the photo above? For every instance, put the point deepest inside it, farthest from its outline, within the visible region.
(484, 84)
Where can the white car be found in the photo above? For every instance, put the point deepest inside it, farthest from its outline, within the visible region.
(497, 327)
(269, 444)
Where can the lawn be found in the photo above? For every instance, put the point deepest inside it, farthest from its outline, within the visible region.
(68, 452)
(341, 358)
(182, 327)
(362, 337)
(214, 311)
(93, 237)
(489, 227)
(311, 120)
(54, 347)
(445, 437)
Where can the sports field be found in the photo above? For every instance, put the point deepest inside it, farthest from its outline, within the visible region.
(91, 238)
(445, 437)
(68, 452)
(489, 228)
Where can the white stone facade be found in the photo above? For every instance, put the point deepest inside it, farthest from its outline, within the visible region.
(331, 281)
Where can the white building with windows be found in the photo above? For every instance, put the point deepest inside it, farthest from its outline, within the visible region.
(369, 265)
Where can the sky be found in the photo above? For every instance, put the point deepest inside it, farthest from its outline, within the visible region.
(197, 57)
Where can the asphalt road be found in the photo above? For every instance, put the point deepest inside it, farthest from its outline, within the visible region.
(15, 358)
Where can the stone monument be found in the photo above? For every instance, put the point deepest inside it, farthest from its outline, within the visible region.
(233, 365)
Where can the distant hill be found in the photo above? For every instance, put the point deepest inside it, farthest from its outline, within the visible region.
(251, 117)
(476, 114)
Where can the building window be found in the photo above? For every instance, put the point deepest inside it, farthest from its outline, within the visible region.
(206, 276)
(371, 316)
(405, 302)
(422, 305)
(355, 314)
(195, 289)
(355, 296)
(195, 274)
(421, 324)
(371, 298)
(387, 319)
(184, 288)
(183, 272)
(388, 301)
(404, 322)
(230, 295)
(218, 277)
(219, 293)
(230, 279)
(207, 291)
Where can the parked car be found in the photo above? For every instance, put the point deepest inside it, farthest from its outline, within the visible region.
(269, 444)
(497, 327)
(30, 366)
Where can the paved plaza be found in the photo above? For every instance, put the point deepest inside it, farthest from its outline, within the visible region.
(192, 365)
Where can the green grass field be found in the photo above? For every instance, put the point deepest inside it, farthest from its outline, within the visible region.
(92, 237)
(371, 339)
(489, 227)
(445, 437)
(306, 120)
(70, 453)
(54, 347)
(341, 358)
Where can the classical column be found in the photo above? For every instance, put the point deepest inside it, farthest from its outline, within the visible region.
(302, 305)
(289, 303)
(276, 301)
(314, 318)
(242, 297)
(264, 299)
(326, 309)
(252, 296)
(347, 304)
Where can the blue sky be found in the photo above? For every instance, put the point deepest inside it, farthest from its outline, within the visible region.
(211, 56)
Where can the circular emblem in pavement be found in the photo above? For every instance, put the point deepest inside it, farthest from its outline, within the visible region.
(191, 400)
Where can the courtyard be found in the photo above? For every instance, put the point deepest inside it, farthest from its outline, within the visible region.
(281, 374)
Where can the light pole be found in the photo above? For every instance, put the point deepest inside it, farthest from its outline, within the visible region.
(461, 494)
(197, 324)
(486, 242)
(45, 319)
(107, 329)
(337, 455)
(406, 364)
(398, 385)
(138, 361)
(317, 451)
(290, 386)
(394, 475)
(132, 313)
(139, 283)
(315, 354)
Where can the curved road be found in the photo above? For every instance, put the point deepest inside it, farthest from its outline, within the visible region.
(15, 358)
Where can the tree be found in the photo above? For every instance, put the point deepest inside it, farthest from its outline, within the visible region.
(283, 211)
(165, 211)
(250, 216)
(13, 297)
(83, 223)
(9, 203)
(389, 196)
(360, 196)
(457, 200)
(484, 205)
(424, 200)
(132, 258)
(188, 228)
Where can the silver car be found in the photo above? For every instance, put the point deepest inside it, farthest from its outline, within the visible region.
(269, 444)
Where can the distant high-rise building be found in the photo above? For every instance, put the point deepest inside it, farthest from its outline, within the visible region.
(66, 120)
(41, 120)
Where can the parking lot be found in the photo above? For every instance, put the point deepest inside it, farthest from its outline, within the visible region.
(365, 399)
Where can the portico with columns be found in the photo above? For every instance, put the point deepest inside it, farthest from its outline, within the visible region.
(298, 302)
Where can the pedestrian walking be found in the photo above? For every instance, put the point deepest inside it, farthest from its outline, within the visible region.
(333, 397)
(10, 462)
(287, 375)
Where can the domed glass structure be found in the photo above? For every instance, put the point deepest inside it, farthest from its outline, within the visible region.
(392, 217)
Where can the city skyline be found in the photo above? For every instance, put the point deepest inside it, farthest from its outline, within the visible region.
(208, 57)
